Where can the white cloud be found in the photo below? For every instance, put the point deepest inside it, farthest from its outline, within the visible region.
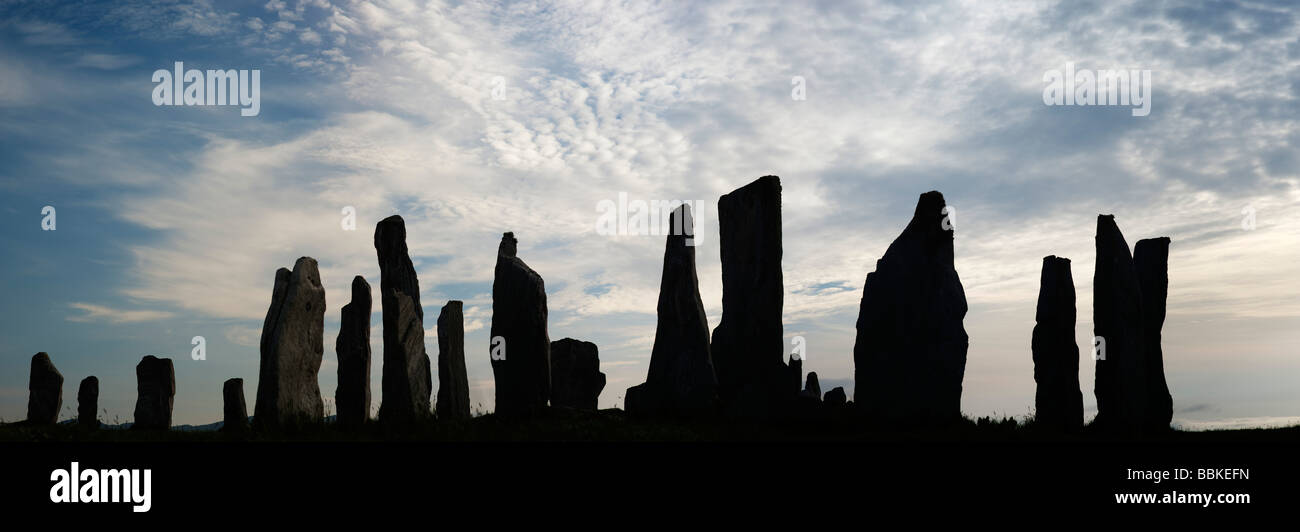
(93, 313)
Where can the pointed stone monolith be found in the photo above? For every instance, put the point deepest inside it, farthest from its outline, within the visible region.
(352, 397)
(576, 380)
(520, 347)
(408, 376)
(155, 381)
(1058, 403)
(681, 381)
(235, 410)
(910, 352)
(1151, 260)
(747, 346)
(453, 382)
(1121, 379)
(88, 402)
(292, 349)
(45, 391)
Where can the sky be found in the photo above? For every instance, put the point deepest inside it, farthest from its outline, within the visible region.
(470, 119)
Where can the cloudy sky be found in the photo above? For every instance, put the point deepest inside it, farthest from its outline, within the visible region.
(474, 118)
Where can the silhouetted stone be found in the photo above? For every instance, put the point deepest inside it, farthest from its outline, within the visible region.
(292, 348)
(88, 402)
(523, 378)
(408, 377)
(1058, 403)
(680, 381)
(352, 397)
(235, 410)
(453, 382)
(910, 352)
(747, 346)
(1151, 260)
(795, 370)
(812, 389)
(155, 384)
(1121, 380)
(836, 397)
(576, 380)
(45, 386)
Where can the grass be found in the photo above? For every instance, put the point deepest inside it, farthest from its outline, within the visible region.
(613, 425)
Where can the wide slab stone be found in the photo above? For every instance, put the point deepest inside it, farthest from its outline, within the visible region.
(910, 352)
(576, 380)
(747, 346)
(288, 393)
(155, 382)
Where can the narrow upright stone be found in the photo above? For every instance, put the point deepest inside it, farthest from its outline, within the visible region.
(88, 402)
(681, 381)
(812, 389)
(236, 410)
(408, 377)
(910, 352)
(352, 397)
(293, 337)
(155, 382)
(747, 346)
(1121, 379)
(45, 386)
(453, 382)
(576, 380)
(522, 365)
(1058, 403)
(1151, 260)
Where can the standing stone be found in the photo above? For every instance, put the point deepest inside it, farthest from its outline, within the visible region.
(352, 397)
(1151, 260)
(812, 389)
(576, 380)
(88, 402)
(523, 368)
(836, 397)
(1121, 380)
(747, 346)
(45, 385)
(910, 352)
(408, 377)
(292, 348)
(453, 382)
(1058, 403)
(155, 384)
(236, 411)
(681, 381)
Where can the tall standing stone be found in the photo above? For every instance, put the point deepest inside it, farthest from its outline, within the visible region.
(88, 402)
(453, 382)
(1151, 260)
(681, 381)
(747, 346)
(352, 397)
(910, 352)
(292, 349)
(235, 410)
(1117, 316)
(1058, 403)
(155, 383)
(576, 380)
(408, 377)
(522, 368)
(45, 386)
